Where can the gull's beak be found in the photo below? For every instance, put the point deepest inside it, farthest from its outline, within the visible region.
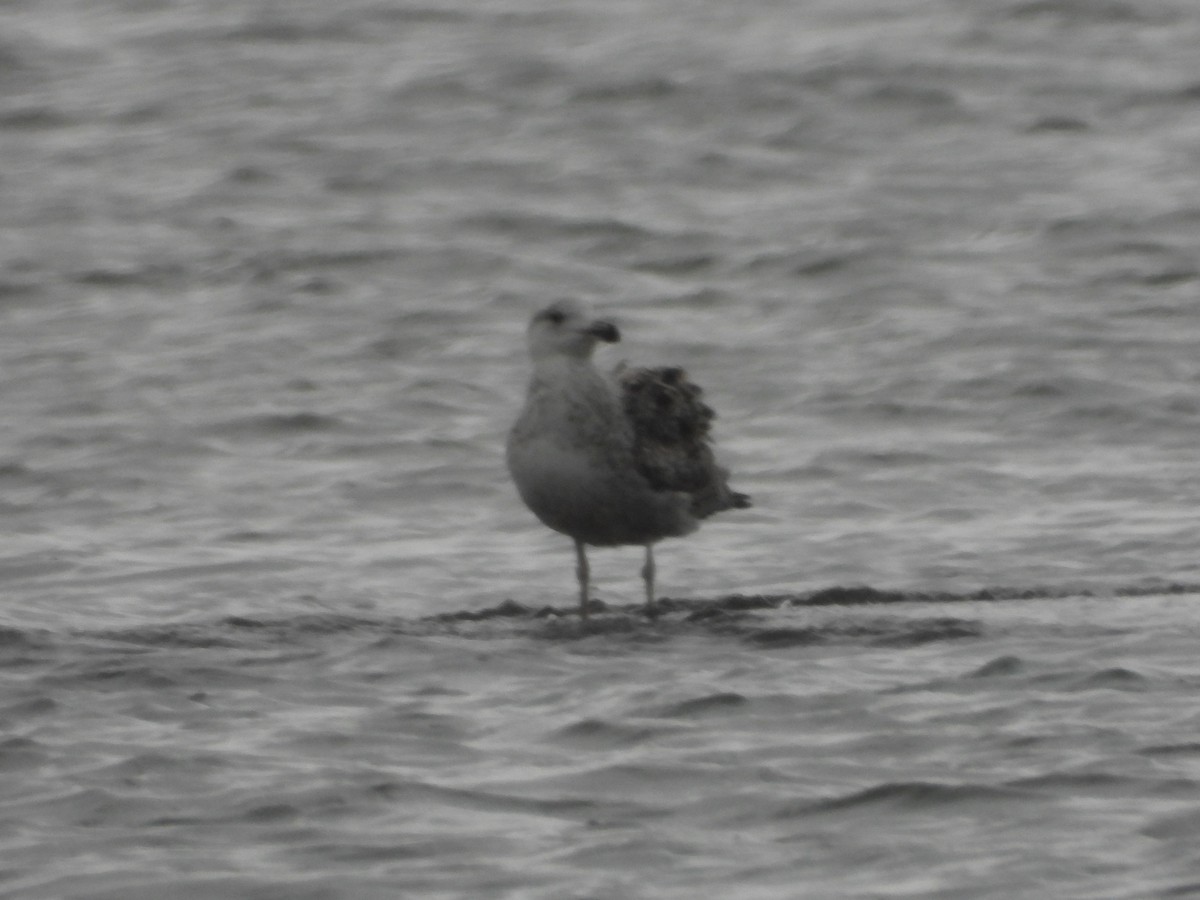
(604, 331)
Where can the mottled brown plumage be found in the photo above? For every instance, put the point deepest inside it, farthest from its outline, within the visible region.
(671, 443)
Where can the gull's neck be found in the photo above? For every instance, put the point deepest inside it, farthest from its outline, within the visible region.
(560, 372)
(562, 363)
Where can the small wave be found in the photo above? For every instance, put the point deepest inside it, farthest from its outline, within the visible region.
(269, 28)
(18, 646)
(1000, 667)
(884, 632)
(34, 118)
(505, 610)
(251, 536)
(800, 263)
(765, 621)
(248, 174)
(484, 800)
(677, 264)
(915, 95)
(151, 274)
(924, 631)
(152, 761)
(910, 796)
(1080, 12)
(750, 617)
(315, 623)
(1107, 784)
(14, 637)
(389, 848)
(1186, 889)
(331, 257)
(249, 633)
(419, 15)
(602, 733)
(1181, 825)
(1186, 94)
(92, 807)
(1114, 678)
(780, 638)
(1187, 748)
(28, 709)
(21, 753)
(1057, 124)
(879, 459)
(280, 423)
(116, 677)
(543, 226)
(737, 616)
(13, 291)
(649, 88)
(711, 704)
(1157, 277)
(854, 596)
(199, 636)
(268, 813)
(1155, 590)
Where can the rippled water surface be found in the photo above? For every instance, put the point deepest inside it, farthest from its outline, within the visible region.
(273, 622)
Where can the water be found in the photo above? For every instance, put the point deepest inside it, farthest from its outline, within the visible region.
(264, 272)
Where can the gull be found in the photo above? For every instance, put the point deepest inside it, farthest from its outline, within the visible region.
(611, 459)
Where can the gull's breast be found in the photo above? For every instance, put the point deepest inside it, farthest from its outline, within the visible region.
(591, 490)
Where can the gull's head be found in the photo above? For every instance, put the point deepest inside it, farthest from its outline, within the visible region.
(567, 328)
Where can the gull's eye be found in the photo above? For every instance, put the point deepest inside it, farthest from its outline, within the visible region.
(554, 316)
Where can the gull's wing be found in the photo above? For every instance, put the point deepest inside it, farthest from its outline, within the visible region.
(671, 446)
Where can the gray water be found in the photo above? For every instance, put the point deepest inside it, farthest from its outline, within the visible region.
(273, 623)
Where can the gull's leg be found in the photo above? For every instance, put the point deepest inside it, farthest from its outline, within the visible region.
(581, 571)
(648, 577)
